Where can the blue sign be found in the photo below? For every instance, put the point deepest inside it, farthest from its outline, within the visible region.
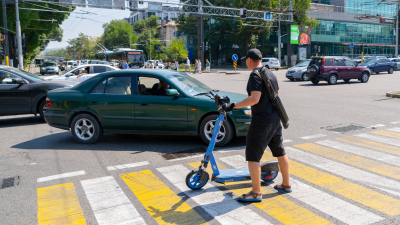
(235, 57)
(351, 46)
(267, 16)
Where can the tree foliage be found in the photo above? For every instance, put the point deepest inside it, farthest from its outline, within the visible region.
(117, 34)
(146, 31)
(176, 50)
(37, 32)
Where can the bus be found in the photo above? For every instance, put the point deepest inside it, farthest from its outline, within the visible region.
(135, 58)
(39, 61)
(102, 55)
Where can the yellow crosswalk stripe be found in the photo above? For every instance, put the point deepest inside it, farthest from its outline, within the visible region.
(355, 192)
(351, 159)
(59, 204)
(275, 205)
(387, 134)
(371, 144)
(159, 200)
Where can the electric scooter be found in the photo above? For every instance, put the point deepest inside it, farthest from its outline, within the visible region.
(198, 178)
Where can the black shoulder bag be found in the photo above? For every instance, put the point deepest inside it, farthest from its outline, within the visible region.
(276, 101)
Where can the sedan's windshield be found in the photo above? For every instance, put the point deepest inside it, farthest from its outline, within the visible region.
(370, 61)
(188, 84)
(49, 64)
(71, 70)
(304, 63)
(30, 75)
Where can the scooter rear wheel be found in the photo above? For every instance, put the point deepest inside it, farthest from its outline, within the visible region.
(271, 177)
(192, 180)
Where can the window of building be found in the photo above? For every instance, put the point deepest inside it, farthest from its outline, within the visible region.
(159, 16)
(172, 16)
(151, 14)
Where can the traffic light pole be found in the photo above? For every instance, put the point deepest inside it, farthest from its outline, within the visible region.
(19, 44)
(5, 29)
(279, 35)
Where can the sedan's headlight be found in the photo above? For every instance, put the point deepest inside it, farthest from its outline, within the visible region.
(247, 112)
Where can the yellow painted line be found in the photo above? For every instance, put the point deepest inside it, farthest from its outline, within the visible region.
(355, 192)
(371, 144)
(354, 160)
(387, 134)
(59, 204)
(159, 200)
(273, 203)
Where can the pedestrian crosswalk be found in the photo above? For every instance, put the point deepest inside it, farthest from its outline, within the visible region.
(347, 180)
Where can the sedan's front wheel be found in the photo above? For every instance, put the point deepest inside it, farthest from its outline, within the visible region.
(225, 133)
(390, 70)
(85, 129)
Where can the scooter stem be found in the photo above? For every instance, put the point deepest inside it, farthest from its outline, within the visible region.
(209, 156)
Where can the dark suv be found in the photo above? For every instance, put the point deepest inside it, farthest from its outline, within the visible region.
(333, 68)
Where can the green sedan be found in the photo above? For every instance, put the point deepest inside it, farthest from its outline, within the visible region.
(142, 102)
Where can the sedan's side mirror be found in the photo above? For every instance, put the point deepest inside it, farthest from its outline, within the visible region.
(18, 81)
(172, 92)
(68, 75)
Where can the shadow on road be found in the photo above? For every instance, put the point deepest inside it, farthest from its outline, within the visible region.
(122, 142)
(20, 121)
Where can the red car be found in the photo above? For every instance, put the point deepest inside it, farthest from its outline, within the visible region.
(334, 68)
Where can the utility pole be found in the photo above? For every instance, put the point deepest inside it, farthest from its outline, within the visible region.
(397, 29)
(20, 59)
(5, 29)
(279, 34)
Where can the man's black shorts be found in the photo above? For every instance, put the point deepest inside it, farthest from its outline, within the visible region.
(260, 136)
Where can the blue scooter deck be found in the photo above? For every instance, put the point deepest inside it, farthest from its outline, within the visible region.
(232, 175)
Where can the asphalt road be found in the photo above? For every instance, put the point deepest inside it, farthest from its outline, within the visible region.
(343, 166)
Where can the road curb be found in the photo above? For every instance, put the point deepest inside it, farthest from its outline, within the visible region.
(393, 94)
(226, 72)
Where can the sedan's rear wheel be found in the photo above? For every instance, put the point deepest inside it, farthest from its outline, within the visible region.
(390, 70)
(371, 70)
(42, 108)
(225, 133)
(85, 129)
(303, 77)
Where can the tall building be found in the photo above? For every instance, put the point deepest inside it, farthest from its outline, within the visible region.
(367, 24)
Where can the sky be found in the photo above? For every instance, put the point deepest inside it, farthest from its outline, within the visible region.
(88, 24)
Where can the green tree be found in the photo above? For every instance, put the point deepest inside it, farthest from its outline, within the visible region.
(175, 50)
(37, 32)
(146, 31)
(117, 34)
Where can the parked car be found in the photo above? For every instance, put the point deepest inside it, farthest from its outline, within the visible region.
(93, 69)
(271, 63)
(49, 67)
(299, 71)
(377, 65)
(70, 65)
(22, 92)
(160, 64)
(397, 61)
(103, 62)
(128, 101)
(334, 68)
(366, 58)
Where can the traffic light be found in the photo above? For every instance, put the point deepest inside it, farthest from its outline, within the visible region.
(243, 13)
(206, 47)
(2, 47)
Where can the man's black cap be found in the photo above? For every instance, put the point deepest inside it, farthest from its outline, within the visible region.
(253, 54)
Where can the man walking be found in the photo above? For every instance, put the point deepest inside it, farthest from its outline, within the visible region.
(187, 65)
(207, 65)
(265, 129)
(176, 64)
(125, 65)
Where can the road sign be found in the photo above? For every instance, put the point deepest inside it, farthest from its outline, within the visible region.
(351, 46)
(235, 57)
(267, 16)
(235, 64)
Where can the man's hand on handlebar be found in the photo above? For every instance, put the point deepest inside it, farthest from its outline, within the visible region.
(227, 107)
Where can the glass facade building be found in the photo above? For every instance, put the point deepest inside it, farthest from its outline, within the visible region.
(371, 7)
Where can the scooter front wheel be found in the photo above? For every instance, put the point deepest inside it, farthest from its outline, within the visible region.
(270, 177)
(193, 178)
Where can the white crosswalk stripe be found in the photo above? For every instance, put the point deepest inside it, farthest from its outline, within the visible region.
(394, 129)
(381, 139)
(365, 152)
(109, 203)
(351, 173)
(329, 204)
(219, 205)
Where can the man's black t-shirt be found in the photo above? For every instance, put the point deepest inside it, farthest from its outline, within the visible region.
(261, 112)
